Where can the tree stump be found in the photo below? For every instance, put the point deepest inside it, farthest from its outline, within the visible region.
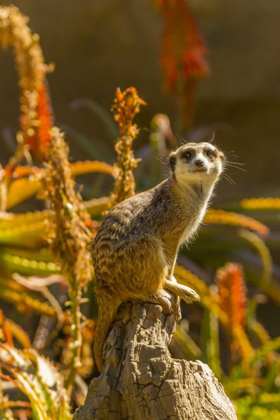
(140, 380)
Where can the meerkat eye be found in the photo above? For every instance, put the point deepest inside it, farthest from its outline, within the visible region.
(209, 153)
(187, 155)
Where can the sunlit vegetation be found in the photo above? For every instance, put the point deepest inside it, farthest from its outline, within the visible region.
(46, 272)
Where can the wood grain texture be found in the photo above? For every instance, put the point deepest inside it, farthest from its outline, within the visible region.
(141, 381)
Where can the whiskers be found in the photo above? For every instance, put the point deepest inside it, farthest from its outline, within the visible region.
(181, 140)
(211, 141)
(228, 178)
(236, 165)
(232, 164)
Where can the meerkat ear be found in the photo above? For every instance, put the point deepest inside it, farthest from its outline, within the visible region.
(172, 162)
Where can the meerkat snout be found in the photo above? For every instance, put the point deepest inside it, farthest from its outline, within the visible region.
(196, 161)
(199, 163)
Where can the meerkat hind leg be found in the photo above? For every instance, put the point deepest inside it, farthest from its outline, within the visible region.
(185, 292)
(163, 301)
(167, 306)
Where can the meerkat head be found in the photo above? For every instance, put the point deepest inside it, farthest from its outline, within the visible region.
(197, 162)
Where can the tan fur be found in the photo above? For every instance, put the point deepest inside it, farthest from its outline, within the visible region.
(135, 250)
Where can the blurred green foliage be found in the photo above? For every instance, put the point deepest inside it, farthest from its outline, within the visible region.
(223, 329)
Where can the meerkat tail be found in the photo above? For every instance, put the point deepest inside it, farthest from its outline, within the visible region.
(105, 318)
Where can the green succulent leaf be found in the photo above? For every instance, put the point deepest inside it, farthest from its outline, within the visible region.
(39, 380)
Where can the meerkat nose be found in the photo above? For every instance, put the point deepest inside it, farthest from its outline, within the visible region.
(199, 163)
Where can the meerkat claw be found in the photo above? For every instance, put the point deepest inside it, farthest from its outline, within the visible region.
(190, 299)
(185, 292)
(191, 294)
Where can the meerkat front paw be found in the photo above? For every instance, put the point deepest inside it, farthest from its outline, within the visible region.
(189, 293)
(185, 292)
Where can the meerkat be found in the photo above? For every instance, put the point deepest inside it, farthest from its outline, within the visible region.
(136, 247)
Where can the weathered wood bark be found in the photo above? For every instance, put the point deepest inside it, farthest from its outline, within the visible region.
(140, 380)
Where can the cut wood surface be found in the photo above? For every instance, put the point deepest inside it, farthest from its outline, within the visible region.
(141, 381)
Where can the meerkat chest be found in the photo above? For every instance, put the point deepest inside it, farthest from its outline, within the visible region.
(196, 216)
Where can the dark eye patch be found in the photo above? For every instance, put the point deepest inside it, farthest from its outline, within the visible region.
(187, 154)
(210, 153)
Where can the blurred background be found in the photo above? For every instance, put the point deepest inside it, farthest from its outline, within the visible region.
(205, 68)
(102, 44)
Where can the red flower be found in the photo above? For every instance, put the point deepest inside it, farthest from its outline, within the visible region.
(232, 291)
(38, 142)
(184, 53)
